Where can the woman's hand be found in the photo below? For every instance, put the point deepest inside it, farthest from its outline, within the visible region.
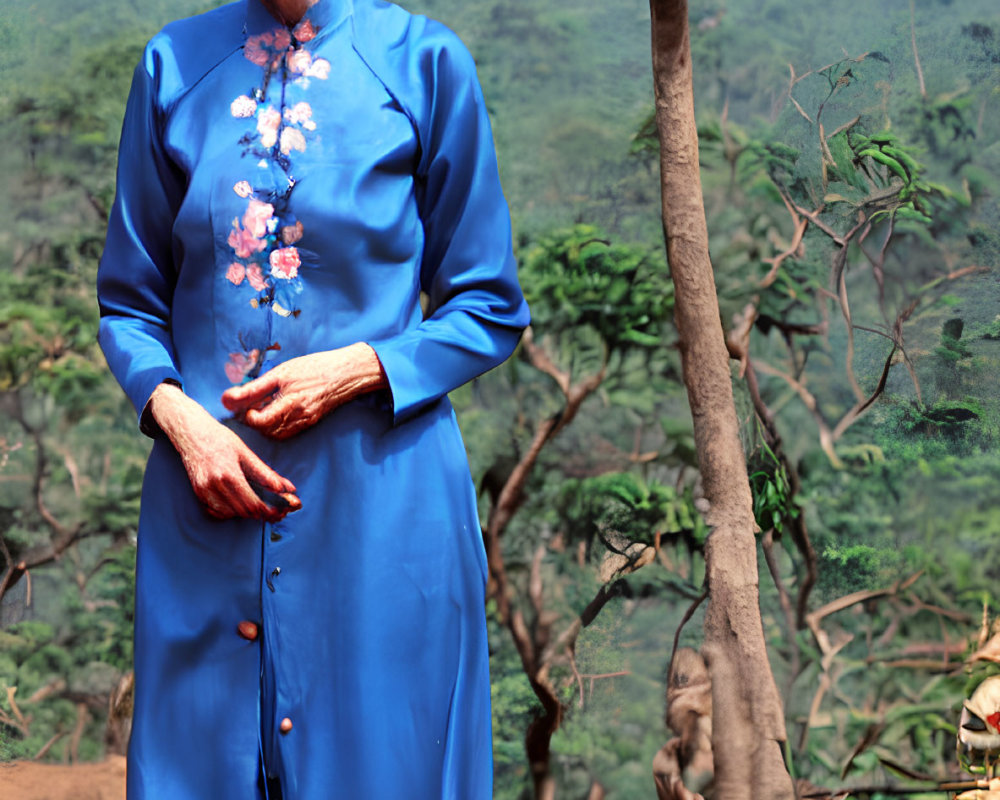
(223, 471)
(297, 394)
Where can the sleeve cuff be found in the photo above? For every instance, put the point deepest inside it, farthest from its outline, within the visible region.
(402, 397)
(147, 424)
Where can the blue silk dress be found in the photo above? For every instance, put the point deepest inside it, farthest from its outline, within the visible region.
(283, 192)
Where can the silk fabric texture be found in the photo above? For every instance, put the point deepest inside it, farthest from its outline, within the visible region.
(282, 192)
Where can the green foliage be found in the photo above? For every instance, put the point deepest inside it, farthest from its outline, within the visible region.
(577, 280)
(948, 426)
(614, 724)
(67, 433)
(860, 565)
(898, 189)
(990, 331)
(584, 536)
(514, 705)
(567, 85)
(626, 504)
(773, 499)
(952, 350)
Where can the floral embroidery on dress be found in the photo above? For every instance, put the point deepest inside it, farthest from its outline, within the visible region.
(263, 239)
(240, 364)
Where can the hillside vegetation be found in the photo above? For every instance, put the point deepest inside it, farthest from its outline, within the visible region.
(851, 189)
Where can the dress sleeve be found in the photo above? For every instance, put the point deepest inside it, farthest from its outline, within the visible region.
(136, 278)
(476, 311)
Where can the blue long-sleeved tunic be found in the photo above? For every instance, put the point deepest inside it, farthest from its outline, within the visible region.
(283, 192)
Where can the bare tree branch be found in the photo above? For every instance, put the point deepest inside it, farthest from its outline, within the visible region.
(791, 84)
(533, 646)
(855, 413)
(813, 217)
(541, 361)
(82, 717)
(48, 745)
(845, 127)
(797, 525)
(62, 536)
(916, 55)
(854, 598)
(17, 720)
(801, 224)
(808, 399)
(767, 545)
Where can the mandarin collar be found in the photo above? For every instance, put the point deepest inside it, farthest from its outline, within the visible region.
(325, 14)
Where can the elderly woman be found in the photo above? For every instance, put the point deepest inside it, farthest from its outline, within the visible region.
(293, 175)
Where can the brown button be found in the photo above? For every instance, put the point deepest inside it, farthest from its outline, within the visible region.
(286, 725)
(248, 630)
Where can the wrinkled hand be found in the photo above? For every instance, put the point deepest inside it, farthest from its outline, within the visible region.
(222, 469)
(297, 394)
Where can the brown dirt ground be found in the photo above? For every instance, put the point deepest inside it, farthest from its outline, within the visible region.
(26, 780)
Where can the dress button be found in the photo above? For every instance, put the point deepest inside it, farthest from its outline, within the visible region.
(248, 630)
(286, 725)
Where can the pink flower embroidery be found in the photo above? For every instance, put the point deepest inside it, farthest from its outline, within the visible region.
(267, 49)
(250, 238)
(300, 61)
(261, 230)
(235, 273)
(243, 242)
(320, 69)
(292, 139)
(304, 31)
(240, 364)
(257, 217)
(300, 114)
(258, 49)
(256, 277)
(290, 234)
(282, 39)
(285, 263)
(268, 123)
(243, 107)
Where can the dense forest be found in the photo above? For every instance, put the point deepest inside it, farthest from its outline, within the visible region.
(850, 160)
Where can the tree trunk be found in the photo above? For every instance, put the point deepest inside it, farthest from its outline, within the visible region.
(748, 719)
